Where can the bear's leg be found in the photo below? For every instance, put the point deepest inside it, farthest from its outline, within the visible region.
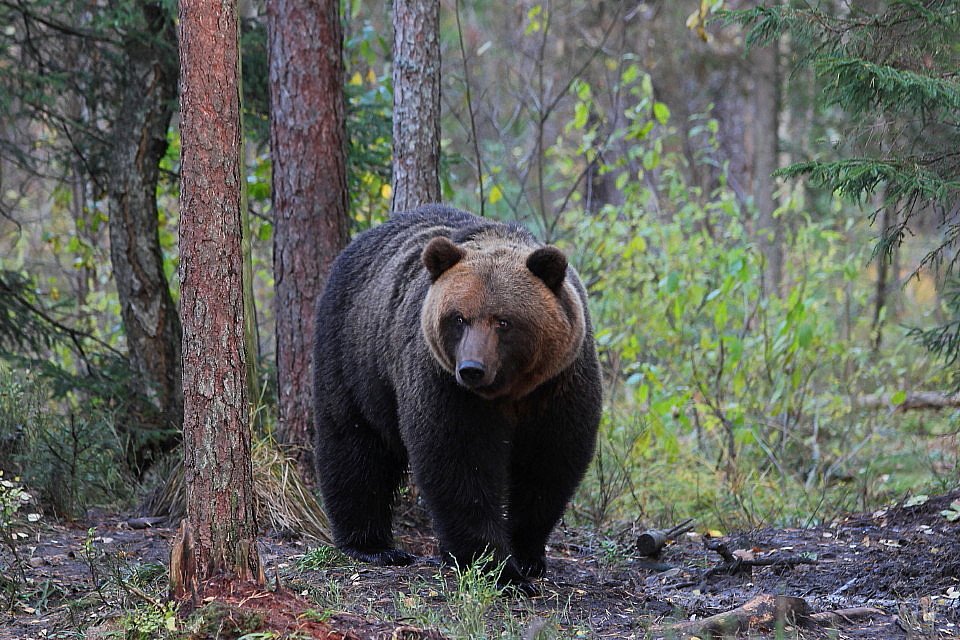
(548, 461)
(359, 477)
(459, 451)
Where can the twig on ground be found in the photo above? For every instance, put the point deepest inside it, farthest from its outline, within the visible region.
(734, 564)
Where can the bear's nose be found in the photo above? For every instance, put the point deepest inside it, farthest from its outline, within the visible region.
(470, 372)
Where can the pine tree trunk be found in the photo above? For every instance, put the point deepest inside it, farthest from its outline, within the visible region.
(308, 143)
(765, 63)
(139, 141)
(219, 538)
(416, 103)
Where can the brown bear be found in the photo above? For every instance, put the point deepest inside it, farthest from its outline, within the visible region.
(461, 347)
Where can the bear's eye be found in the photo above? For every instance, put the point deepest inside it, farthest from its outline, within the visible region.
(503, 325)
(459, 319)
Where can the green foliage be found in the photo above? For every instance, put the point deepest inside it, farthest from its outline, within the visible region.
(256, 80)
(708, 374)
(322, 557)
(220, 620)
(63, 62)
(369, 95)
(861, 86)
(474, 594)
(148, 622)
(891, 69)
(945, 338)
(723, 402)
(72, 459)
(24, 327)
(13, 499)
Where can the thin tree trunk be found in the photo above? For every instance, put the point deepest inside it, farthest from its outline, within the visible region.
(139, 136)
(251, 334)
(883, 276)
(219, 537)
(416, 103)
(765, 63)
(308, 143)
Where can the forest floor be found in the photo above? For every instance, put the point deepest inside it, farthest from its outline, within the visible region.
(894, 573)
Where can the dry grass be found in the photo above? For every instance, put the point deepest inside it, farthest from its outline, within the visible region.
(284, 502)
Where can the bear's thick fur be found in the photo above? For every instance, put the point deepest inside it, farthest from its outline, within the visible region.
(462, 347)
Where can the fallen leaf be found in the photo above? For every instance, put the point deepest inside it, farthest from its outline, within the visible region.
(916, 501)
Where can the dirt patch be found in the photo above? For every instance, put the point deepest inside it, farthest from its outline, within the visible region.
(903, 562)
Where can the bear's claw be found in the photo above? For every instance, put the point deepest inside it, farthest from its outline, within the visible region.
(381, 557)
(533, 568)
(519, 587)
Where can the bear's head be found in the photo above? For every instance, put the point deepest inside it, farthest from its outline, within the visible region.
(501, 316)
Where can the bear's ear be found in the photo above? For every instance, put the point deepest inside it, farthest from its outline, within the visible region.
(550, 265)
(439, 255)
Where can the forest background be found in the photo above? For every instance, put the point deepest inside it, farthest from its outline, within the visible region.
(763, 206)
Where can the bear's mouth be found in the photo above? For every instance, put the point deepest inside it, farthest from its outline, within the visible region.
(488, 391)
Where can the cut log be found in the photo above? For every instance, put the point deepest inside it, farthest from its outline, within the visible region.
(652, 541)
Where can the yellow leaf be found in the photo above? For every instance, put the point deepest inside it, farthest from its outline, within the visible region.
(496, 194)
(385, 191)
(697, 20)
(371, 76)
(715, 533)
(356, 78)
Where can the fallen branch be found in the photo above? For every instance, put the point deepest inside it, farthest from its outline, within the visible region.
(835, 618)
(735, 564)
(764, 612)
(915, 400)
(652, 541)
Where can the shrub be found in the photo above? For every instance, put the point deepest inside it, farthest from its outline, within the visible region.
(71, 459)
(724, 400)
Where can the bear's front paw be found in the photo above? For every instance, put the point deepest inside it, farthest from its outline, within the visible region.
(521, 588)
(513, 580)
(381, 557)
(533, 568)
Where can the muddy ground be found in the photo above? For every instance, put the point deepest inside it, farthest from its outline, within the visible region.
(894, 573)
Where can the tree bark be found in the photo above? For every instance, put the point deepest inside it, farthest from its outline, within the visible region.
(308, 142)
(416, 103)
(139, 137)
(221, 524)
(765, 63)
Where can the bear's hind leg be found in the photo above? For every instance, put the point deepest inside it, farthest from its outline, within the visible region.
(359, 478)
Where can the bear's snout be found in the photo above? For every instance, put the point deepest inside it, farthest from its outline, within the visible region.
(470, 373)
(476, 356)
